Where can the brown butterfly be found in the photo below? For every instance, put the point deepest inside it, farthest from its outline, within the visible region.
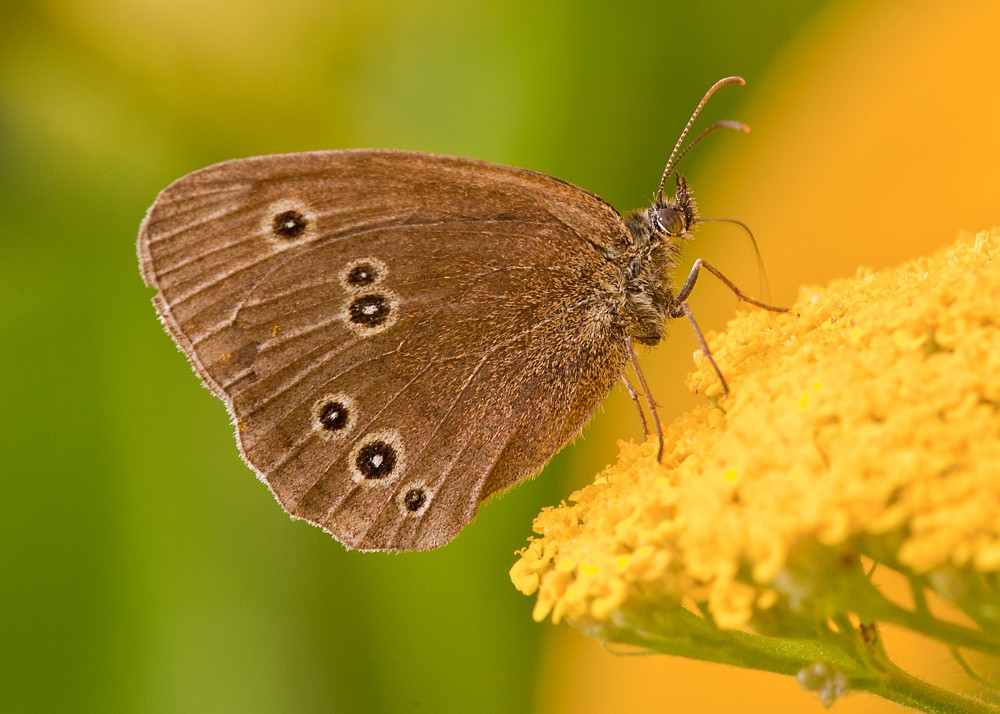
(399, 335)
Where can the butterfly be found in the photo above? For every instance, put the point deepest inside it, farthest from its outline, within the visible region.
(399, 335)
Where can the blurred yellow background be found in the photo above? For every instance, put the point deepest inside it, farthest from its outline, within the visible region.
(145, 569)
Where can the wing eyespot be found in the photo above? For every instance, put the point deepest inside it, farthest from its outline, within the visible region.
(371, 312)
(414, 499)
(362, 274)
(287, 223)
(377, 458)
(334, 416)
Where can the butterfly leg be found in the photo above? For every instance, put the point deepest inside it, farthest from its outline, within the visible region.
(692, 278)
(649, 398)
(638, 406)
(686, 311)
(680, 307)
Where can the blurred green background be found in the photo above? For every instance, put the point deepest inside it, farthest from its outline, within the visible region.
(144, 567)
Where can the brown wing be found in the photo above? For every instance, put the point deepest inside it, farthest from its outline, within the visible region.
(396, 335)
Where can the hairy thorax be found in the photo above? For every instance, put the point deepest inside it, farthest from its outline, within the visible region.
(647, 289)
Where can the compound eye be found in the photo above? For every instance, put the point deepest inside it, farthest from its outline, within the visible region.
(670, 219)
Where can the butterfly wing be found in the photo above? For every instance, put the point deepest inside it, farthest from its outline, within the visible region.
(396, 335)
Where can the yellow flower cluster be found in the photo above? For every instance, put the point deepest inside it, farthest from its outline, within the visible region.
(866, 422)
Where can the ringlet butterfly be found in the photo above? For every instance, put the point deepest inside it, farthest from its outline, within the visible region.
(399, 335)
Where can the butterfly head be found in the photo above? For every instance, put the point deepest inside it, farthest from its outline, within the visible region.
(674, 217)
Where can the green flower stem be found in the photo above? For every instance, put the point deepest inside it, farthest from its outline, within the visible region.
(699, 639)
(939, 630)
(858, 656)
(871, 605)
(896, 685)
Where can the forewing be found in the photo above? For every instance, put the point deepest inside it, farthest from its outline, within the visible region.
(396, 335)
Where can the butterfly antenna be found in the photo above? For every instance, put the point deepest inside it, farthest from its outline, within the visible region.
(761, 272)
(677, 154)
(724, 124)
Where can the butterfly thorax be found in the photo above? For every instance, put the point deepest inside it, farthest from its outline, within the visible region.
(656, 233)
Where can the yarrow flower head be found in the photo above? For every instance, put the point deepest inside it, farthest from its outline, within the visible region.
(861, 435)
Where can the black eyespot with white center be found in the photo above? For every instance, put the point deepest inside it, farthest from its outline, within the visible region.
(333, 416)
(376, 460)
(362, 275)
(414, 499)
(370, 310)
(289, 224)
